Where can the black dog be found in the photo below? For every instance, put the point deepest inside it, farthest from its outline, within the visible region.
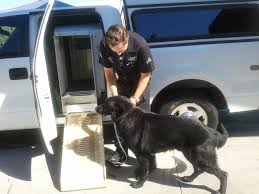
(146, 133)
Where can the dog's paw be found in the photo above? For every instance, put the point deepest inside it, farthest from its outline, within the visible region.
(137, 184)
(185, 179)
(137, 178)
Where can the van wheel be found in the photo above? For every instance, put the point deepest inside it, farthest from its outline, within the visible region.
(192, 106)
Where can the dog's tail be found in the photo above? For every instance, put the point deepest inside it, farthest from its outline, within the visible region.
(224, 135)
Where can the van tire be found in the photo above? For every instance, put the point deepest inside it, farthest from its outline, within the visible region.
(193, 104)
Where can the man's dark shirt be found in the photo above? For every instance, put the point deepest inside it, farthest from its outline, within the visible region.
(135, 60)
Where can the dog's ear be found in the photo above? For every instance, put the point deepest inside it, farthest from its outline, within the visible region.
(117, 111)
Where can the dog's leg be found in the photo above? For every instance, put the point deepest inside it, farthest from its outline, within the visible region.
(138, 172)
(152, 166)
(205, 158)
(189, 155)
(223, 182)
(141, 172)
(194, 175)
(152, 162)
(221, 175)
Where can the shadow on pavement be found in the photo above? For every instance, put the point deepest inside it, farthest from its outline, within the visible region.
(165, 176)
(54, 160)
(17, 148)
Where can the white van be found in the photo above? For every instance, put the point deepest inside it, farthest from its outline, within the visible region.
(205, 53)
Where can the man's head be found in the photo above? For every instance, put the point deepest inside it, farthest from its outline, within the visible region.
(117, 38)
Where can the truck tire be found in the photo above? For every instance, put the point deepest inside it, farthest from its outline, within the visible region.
(192, 106)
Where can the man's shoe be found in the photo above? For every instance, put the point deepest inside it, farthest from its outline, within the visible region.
(117, 158)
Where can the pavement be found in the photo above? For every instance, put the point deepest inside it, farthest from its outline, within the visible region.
(25, 169)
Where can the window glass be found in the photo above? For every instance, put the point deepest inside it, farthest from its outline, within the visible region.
(14, 36)
(168, 24)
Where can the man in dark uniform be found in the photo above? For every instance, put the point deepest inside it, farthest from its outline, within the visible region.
(128, 65)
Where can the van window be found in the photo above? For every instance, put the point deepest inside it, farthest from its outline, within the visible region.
(14, 36)
(169, 24)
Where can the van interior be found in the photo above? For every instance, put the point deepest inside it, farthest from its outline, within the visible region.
(77, 80)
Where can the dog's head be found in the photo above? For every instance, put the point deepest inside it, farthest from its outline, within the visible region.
(114, 106)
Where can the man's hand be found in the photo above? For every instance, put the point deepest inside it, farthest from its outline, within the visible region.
(110, 79)
(142, 84)
(114, 90)
(134, 100)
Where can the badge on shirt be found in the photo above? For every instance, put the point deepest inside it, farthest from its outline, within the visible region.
(132, 58)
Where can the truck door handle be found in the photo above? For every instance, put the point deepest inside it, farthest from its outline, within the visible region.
(18, 73)
(254, 67)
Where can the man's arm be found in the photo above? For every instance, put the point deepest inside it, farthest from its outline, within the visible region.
(108, 70)
(110, 79)
(142, 84)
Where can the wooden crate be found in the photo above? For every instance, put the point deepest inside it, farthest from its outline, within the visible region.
(83, 162)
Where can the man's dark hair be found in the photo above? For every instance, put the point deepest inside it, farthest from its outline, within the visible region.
(115, 35)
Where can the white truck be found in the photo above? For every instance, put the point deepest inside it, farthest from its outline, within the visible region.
(205, 53)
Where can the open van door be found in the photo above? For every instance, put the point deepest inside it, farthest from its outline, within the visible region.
(41, 84)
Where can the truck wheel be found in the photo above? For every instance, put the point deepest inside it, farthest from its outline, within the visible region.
(192, 106)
